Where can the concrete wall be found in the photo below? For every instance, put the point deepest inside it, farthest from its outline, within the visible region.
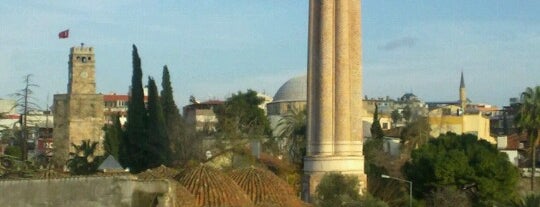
(513, 156)
(121, 191)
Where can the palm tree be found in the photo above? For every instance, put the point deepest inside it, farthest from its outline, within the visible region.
(528, 121)
(292, 128)
(83, 161)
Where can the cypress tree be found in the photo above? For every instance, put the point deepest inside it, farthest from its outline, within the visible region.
(376, 130)
(173, 119)
(136, 134)
(159, 151)
(113, 138)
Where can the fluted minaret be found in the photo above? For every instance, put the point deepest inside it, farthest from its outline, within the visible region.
(334, 93)
(462, 93)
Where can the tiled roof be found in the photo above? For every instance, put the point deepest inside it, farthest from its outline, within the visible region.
(264, 188)
(158, 172)
(183, 196)
(212, 102)
(212, 188)
(513, 140)
(115, 97)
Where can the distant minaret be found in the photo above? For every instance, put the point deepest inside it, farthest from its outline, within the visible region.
(462, 93)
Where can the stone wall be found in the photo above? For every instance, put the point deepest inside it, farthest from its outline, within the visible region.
(121, 191)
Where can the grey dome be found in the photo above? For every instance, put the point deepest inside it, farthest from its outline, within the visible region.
(293, 90)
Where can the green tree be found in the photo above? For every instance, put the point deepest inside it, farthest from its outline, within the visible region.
(13, 151)
(159, 151)
(136, 139)
(407, 113)
(336, 190)
(182, 148)
(396, 116)
(368, 200)
(113, 137)
(415, 134)
(376, 130)
(531, 200)
(378, 162)
(528, 121)
(293, 126)
(463, 162)
(241, 119)
(83, 161)
(448, 197)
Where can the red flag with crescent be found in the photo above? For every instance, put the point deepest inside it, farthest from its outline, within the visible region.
(63, 34)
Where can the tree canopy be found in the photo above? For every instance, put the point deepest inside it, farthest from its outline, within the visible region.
(240, 117)
(146, 143)
(336, 190)
(293, 127)
(158, 139)
(136, 133)
(113, 137)
(528, 121)
(463, 162)
(415, 134)
(376, 129)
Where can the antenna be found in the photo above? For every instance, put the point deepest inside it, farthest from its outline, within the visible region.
(47, 112)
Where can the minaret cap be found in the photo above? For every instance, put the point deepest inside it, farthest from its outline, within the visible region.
(462, 84)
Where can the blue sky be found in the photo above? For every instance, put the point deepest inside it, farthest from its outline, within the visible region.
(217, 47)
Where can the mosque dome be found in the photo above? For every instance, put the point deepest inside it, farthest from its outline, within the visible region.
(213, 188)
(264, 188)
(295, 89)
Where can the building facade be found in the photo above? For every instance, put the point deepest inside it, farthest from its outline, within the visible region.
(201, 115)
(449, 119)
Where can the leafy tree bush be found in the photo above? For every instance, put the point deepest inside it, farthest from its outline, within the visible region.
(415, 134)
(13, 151)
(241, 115)
(396, 117)
(531, 200)
(463, 162)
(449, 197)
(113, 137)
(83, 161)
(368, 200)
(240, 119)
(336, 189)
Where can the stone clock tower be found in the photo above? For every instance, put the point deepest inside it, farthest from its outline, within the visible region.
(78, 114)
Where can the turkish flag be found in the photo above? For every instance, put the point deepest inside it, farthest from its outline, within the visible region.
(63, 34)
